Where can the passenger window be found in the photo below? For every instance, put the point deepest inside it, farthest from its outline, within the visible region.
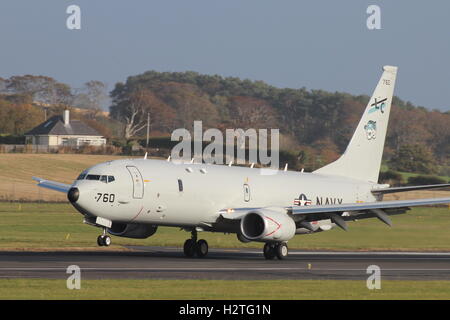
(111, 178)
(104, 179)
(180, 185)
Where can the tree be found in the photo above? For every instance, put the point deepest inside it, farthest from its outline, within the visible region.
(41, 89)
(424, 180)
(413, 158)
(12, 119)
(391, 177)
(92, 96)
(3, 84)
(248, 112)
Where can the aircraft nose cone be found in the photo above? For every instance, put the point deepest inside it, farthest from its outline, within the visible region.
(73, 195)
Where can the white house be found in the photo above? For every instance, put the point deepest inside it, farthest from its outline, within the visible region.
(61, 131)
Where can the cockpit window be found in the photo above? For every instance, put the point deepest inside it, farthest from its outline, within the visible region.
(102, 178)
(93, 177)
(81, 176)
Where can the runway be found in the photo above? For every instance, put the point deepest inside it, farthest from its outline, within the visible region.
(226, 264)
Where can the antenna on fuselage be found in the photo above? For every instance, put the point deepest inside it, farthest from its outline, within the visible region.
(192, 160)
(231, 163)
(145, 156)
(252, 165)
(303, 169)
(168, 159)
(285, 167)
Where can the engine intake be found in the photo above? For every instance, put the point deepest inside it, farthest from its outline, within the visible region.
(267, 225)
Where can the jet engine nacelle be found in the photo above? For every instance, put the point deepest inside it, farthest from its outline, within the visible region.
(267, 225)
(132, 230)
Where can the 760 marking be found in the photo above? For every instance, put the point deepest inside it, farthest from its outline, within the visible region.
(106, 197)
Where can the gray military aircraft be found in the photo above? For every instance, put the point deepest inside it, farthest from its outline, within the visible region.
(131, 198)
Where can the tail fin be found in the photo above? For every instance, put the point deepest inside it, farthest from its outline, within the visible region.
(362, 158)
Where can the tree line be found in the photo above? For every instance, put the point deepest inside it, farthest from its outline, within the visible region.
(315, 125)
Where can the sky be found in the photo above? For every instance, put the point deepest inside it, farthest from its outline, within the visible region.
(316, 44)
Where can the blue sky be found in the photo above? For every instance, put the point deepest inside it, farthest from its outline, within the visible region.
(317, 44)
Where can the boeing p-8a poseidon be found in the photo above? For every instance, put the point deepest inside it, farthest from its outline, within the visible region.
(131, 198)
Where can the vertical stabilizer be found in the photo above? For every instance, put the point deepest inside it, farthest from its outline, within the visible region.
(362, 158)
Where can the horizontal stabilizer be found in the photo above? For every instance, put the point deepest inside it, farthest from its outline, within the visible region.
(411, 188)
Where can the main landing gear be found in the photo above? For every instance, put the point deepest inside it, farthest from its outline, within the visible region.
(272, 250)
(103, 239)
(192, 247)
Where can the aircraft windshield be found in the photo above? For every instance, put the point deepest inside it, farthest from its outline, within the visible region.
(102, 178)
(81, 176)
(93, 177)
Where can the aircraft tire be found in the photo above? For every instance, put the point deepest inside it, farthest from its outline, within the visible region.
(282, 251)
(107, 241)
(189, 248)
(269, 251)
(100, 241)
(201, 248)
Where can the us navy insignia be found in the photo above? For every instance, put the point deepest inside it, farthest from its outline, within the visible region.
(302, 200)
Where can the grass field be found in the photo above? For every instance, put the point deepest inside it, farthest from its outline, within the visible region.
(58, 226)
(222, 289)
(16, 170)
(41, 226)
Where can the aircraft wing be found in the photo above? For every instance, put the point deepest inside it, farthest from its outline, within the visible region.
(356, 211)
(410, 188)
(53, 185)
(340, 213)
(396, 204)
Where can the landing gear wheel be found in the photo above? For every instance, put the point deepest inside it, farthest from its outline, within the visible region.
(269, 251)
(189, 248)
(107, 241)
(201, 248)
(104, 241)
(281, 251)
(100, 241)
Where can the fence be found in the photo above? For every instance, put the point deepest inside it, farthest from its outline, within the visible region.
(34, 148)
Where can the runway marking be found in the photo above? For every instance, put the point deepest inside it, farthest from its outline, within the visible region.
(210, 269)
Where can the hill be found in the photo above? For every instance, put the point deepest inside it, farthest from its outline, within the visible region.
(315, 125)
(315, 122)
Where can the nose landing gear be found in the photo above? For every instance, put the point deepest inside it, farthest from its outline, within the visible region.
(103, 239)
(192, 247)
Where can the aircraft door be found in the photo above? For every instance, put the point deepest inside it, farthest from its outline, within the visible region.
(138, 183)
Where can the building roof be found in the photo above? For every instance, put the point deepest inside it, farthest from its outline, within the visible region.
(55, 126)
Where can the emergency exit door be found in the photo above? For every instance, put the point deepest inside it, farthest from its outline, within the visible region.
(138, 183)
